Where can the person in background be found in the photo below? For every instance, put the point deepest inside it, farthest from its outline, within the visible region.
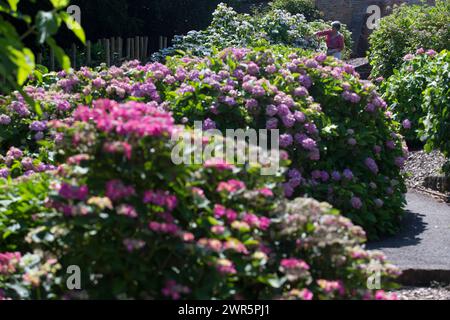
(335, 40)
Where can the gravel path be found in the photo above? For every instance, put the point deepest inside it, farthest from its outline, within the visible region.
(421, 165)
(416, 293)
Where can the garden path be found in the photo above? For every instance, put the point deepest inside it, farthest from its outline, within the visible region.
(422, 247)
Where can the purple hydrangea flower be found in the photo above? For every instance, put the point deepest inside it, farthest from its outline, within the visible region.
(336, 176)
(283, 110)
(351, 141)
(356, 202)
(370, 107)
(309, 144)
(299, 116)
(272, 123)
(372, 165)
(400, 162)
(4, 119)
(288, 190)
(209, 124)
(431, 53)
(321, 57)
(305, 81)
(286, 140)
(252, 68)
(271, 69)
(310, 63)
(316, 174)
(38, 126)
(271, 110)
(4, 173)
(348, 174)
(311, 128)
(390, 144)
(324, 176)
(378, 203)
(288, 120)
(300, 92)
(406, 124)
(408, 57)
(251, 104)
(39, 136)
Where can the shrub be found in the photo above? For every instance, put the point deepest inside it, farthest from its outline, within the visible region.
(304, 7)
(408, 28)
(141, 227)
(437, 104)
(28, 276)
(345, 127)
(404, 90)
(342, 142)
(21, 210)
(231, 29)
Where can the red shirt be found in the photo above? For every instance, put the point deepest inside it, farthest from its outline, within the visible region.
(333, 41)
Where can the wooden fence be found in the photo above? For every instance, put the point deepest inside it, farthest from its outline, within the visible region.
(114, 51)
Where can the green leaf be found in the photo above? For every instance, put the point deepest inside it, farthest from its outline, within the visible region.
(24, 60)
(13, 4)
(73, 25)
(60, 4)
(47, 24)
(62, 58)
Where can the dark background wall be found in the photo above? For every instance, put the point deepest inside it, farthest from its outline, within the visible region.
(106, 18)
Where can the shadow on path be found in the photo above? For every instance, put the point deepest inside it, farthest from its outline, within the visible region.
(413, 226)
(424, 239)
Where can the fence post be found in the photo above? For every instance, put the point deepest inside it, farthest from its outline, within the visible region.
(88, 53)
(141, 48)
(74, 56)
(136, 47)
(146, 47)
(39, 58)
(113, 49)
(108, 52)
(120, 47)
(165, 42)
(128, 49)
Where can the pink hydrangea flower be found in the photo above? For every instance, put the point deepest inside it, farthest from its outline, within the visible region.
(230, 186)
(116, 190)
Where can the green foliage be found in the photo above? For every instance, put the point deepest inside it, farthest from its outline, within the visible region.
(167, 231)
(344, 117)
(436, 99)
(408, 28)
(305, 7)
(404, 92)
(18, 61)
(231, 29)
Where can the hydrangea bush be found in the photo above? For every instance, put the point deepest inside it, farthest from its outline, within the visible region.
(304, 7)
(404, 90)
(340, 136)
(141, 227)
(341, 139)
(437, 104)
(28, 276)
(231, 29)
(407, 29)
